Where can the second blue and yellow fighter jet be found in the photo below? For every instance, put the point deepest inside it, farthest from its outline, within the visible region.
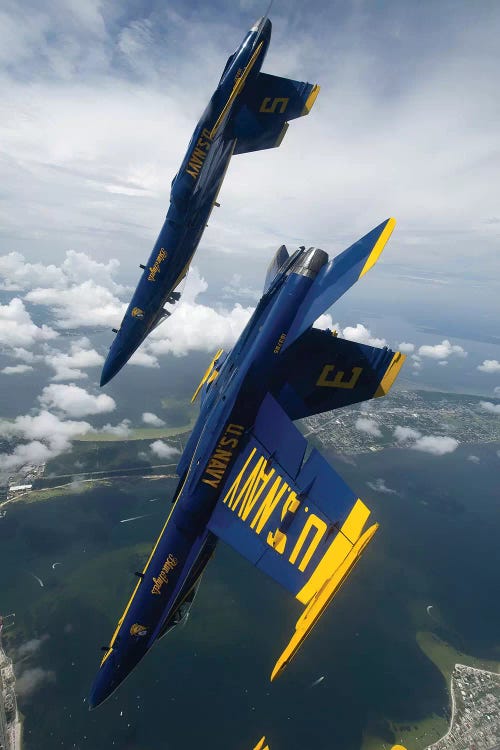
(249, 111)
(243, 475)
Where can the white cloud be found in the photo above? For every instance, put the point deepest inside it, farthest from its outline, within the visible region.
(81, 305)
(19, 274)
(122, 429)
(17, 328)
(325, 321)
(362, 335)
(442, 351)
(406, 348)
(496, 390)
(31, 680)
(152, 419)
(490, 407)
(75, 401)
(404, 434)
(143, 359)
(16, 369)
(379, 485)
(197, 327)
(443, 363)
(435, 444)
(416, 362)
(47, 437)
(369, 426)
(163, 450)
(438, 445)
(474, 459)
(70, 366)
(489, 366)
(28, 648)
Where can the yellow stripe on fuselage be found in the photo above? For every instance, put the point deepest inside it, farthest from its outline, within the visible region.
(120, 621)
(379, 246)
(236, 90)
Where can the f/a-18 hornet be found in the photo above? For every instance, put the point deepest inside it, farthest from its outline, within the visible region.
(249, 111)
(243, 475)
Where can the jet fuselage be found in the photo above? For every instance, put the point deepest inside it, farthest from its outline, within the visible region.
(193, 194)
(229, 406)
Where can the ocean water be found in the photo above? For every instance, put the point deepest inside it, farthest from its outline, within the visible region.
(207, 685)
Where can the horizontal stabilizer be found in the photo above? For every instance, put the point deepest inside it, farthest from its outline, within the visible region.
(320, 372)
(337, 276)
(267, 105)
(294, 519)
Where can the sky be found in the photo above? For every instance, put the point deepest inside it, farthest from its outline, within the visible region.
(99, 100)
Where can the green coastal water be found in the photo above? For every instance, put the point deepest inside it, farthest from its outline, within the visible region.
(207, 685)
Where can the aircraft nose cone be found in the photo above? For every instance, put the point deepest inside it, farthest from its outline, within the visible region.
(109, 370)
(105, 683)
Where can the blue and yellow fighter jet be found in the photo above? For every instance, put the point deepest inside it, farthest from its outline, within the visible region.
(243, 475)
(249, 111)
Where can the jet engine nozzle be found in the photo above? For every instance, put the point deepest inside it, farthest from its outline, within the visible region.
(310, 263)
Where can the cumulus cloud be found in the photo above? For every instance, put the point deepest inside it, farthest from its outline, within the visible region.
(151, 419)
(16, 369)
(32, 679)
(438, 445)
(369, 426)
(416, 362)
(18, 274)
(163, 450)
(442, 351)
(496, 390)
(122, 429)
(405, 434)
(489, 366)
(379, 485)
(474, 459)
(70, 366)
(82, 305)
(362, 335)
(196, 326)
(17, 328)
(143, 359)
(47, 436)
(31, 647)
(406, 348)
(75, 401)
(490, 407)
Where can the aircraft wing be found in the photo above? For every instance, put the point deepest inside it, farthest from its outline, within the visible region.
(337, 276)
(295, 520)
(267, 104)
(320, 372)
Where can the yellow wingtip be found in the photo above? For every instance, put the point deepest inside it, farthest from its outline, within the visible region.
(320, 601)
(379, 246)
(390, 374)
(261, 744)
(311, 99)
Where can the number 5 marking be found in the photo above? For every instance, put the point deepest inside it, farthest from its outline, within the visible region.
(269, 105)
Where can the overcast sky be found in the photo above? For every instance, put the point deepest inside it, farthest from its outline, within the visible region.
(99, 100)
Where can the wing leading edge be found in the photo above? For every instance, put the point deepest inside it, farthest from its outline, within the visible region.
(295, 520)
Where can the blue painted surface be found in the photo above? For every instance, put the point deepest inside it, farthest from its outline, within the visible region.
(240, 411)
(196, 186)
